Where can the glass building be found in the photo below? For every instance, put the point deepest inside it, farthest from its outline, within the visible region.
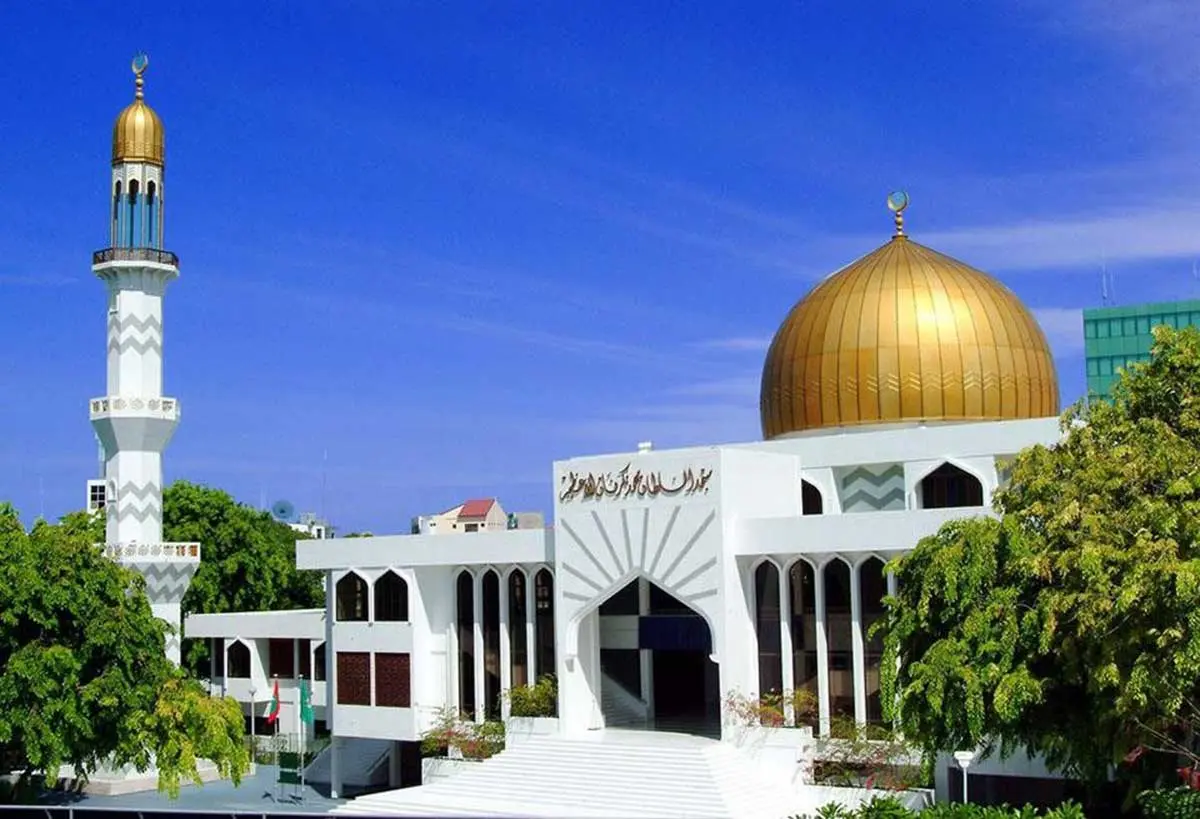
(1115, 337)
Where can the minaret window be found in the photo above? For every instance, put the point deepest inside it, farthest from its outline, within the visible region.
(152, 238)
(132, 222)
(115, 236)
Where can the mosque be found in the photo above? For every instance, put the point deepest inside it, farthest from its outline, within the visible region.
(670, 583)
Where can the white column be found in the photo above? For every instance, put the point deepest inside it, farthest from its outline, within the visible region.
(785, 646)
(477, 631)
(822, 636)
(335, 767)
(856, 645)
(505, 649)
(645, 656)
(530, 632)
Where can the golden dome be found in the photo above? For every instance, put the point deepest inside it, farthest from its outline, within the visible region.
(906, 334)
(138, 134)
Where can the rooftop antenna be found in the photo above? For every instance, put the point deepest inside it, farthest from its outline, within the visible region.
(1104, 284)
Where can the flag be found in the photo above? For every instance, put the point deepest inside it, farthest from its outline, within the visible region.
(273, 706)
(306, 709)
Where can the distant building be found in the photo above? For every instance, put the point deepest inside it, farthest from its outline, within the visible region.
(479, 515)
(1115, 337)
(309, 524)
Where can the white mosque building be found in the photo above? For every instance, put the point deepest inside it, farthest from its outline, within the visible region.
(669, 583)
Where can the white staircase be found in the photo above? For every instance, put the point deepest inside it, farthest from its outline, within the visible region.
(364, 763)
(601, 775)
(620, 706)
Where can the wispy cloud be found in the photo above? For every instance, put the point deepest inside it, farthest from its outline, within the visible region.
(1080, 242)
(736, 344)
(30, 280)
(1063, 327)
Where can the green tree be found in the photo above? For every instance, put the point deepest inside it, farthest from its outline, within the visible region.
(1069, 625)
(83, 676)
(248, 559)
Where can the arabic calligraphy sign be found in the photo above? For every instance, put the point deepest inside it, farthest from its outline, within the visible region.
(629, 483)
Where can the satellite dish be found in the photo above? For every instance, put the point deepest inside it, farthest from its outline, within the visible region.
(283, 511)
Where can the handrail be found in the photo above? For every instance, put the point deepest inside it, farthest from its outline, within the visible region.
(135, 254)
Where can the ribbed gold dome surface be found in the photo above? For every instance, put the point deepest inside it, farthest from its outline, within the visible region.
(905, 334)
(138, 134)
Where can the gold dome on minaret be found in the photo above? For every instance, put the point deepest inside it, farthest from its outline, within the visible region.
(906, 334)
(138, 134)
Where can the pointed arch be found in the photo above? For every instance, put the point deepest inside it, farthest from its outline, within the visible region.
(464, 594)
(802, 575)
(518, 612)
(872, 580)
(489, 588)
(949, 486)
(838, 575)
(391, 598)
(767, 614)
(237, 660)
(543, 593)
(811, 500)
(351, 594)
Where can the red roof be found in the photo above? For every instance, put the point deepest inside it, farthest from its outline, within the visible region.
(477, 508)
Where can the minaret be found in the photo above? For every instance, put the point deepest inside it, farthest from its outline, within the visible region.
(133, 420)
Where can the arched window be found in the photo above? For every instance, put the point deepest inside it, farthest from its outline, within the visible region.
(517, 606)
(351, 599)
(391, 598)
(801, 583)
(465, 602)
(133, 219)
(810, 499)
(837, 626)
(319, 663)
(766, 626)
(543, 589)
(238, 666)
(949, 487)
(873, 587)
(490, 588)
(115, 238)
(152, 214)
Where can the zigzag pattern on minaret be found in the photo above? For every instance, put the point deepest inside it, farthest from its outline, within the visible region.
(124, 325)
(166, 582)
(140, 347)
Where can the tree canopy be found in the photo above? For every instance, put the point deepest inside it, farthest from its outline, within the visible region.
(248, 562)
(83, 677)
(1070, 623)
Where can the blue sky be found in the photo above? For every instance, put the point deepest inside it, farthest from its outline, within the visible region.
(429, 247)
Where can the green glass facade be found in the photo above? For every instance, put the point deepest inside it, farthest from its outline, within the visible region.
(1115, 337)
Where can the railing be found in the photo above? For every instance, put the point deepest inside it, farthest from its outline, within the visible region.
(166, 406)
(135, 254)
(153, 551)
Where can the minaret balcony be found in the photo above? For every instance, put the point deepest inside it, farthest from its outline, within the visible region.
(119, 406)
(156, 552)
(134, 254)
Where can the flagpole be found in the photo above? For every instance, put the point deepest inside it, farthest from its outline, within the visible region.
(300, 727)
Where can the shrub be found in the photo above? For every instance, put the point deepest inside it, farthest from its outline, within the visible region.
(537, 700)
(769, 711)
(473, 740)
(889, 808)
(1176, 803)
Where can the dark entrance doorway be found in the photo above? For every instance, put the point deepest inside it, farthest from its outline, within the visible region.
(655, 652)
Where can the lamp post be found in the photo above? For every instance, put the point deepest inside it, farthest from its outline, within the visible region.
(253, 743)
(964, 760)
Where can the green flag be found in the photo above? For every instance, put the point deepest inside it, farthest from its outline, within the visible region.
(306, 709)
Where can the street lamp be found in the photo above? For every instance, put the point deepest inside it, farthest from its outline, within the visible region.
(964, 760)
(253, 743)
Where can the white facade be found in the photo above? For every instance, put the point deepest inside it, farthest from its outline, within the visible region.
(732, 534)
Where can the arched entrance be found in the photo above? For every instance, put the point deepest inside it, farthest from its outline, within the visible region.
(655, 661)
